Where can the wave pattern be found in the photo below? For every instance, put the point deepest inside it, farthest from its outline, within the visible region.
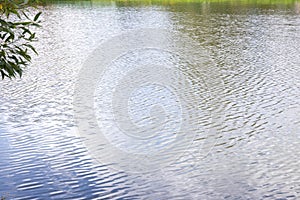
(256, 155)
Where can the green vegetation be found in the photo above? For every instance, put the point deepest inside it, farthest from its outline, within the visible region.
(16, 36)
(182, 5)
(170, 2)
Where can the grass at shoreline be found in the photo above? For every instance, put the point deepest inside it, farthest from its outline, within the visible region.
(235, 4)
(270, 2)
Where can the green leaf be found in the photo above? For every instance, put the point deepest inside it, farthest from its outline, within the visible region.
(37, 16)
(32, 48)
(16, 37)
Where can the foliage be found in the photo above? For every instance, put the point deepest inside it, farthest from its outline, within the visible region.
(16, 36)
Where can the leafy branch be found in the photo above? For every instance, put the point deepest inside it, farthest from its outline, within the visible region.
(16, 36)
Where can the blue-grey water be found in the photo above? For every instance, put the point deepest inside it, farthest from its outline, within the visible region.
(252, 48)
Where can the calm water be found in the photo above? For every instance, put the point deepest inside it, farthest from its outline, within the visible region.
(244, 82)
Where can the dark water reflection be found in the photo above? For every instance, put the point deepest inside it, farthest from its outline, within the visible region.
(254, 47)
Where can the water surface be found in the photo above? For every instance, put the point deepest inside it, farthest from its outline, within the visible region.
(254, 50)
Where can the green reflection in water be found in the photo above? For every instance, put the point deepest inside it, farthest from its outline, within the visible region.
(197, 6)
(172, 2)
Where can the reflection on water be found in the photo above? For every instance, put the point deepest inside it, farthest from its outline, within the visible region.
(253, 47)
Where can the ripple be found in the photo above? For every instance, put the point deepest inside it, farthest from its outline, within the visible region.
(252, 50)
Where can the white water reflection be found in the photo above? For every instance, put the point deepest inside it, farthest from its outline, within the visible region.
(256, 157)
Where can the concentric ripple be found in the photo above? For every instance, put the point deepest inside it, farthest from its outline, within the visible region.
(146, 104)
(243, 66)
